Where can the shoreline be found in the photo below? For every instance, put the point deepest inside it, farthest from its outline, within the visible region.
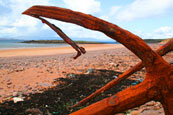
(54, 50)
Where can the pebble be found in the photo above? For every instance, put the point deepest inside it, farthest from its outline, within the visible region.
(17, 99)
(20, 69)
(45, 84)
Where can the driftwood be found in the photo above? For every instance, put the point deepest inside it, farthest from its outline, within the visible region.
(158, 83)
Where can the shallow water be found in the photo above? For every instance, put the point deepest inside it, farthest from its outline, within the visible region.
(16, 45)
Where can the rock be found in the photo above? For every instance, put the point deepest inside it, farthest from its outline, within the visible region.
(117, 65)
(20, 69)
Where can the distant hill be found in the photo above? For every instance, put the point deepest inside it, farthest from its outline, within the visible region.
(153, 40)
(85, 42)
(58, 42)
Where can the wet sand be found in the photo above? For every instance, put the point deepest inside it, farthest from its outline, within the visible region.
(53, 51)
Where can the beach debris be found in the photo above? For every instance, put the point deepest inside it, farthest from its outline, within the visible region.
(115, 76)
(71, 75)
(137, 81)
(89, 71)
(17, 99)
(140, 80)
(55, 112)
(134, 83)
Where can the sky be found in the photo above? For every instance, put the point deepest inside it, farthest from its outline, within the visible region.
(149, 19)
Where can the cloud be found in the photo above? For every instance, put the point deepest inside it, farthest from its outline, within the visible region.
(144, 9)
(18, 24)
(14, 24)
(159, 33)
(85, 6)
(114, 10)
(164, 32)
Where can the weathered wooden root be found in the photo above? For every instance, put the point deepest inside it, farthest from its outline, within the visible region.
(158, 83)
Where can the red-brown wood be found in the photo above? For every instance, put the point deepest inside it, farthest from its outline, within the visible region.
(158, 83)
(162, 51)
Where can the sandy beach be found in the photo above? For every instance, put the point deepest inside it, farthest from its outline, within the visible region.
(28, 71)
(32, 69)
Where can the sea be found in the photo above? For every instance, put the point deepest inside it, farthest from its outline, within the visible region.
(15, 44)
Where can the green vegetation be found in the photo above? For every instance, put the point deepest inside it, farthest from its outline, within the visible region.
(87, 42)
(57, 42)
(153, 40)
